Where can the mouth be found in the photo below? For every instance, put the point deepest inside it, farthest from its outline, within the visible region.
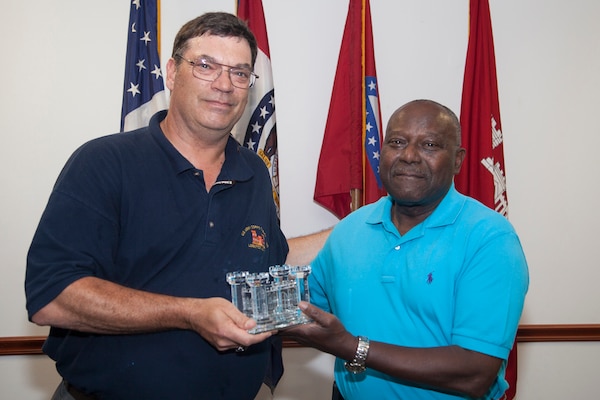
(219, 103)
(408, 174)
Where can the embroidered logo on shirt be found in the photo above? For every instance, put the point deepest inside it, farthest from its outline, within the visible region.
(257, 236)
(430, 278)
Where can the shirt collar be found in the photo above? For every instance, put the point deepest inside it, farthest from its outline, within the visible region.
(235, 167)
(445, 213)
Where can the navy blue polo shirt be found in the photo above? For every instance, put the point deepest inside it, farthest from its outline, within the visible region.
(131, 209)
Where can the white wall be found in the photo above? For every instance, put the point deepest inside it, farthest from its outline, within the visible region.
(61, 79)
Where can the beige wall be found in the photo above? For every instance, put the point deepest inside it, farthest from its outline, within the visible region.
(61, 80)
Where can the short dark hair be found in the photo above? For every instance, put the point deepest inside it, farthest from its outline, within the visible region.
(218, 24)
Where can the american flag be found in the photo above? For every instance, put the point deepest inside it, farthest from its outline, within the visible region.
(144, 88)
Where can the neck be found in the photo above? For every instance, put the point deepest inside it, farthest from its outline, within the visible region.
(407, 217)
(205, 155)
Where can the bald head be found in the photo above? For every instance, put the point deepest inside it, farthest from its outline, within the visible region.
(421, 154)
(434, 110)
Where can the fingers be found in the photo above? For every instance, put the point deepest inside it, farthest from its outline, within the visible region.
(313, 312)
(223, 325)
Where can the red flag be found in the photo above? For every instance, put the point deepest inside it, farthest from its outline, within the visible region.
(257, 129)
(349, 159)
(482, 174)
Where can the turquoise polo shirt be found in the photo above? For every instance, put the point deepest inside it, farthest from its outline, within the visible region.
(458, 278)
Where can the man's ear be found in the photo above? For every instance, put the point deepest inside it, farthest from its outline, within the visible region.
(171, 72)
(459, 158)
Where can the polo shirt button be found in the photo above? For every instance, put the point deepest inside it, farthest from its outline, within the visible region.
(211, 224)
(196, 173)
(397, 247)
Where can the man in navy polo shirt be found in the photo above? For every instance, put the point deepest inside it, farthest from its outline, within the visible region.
(129, 260)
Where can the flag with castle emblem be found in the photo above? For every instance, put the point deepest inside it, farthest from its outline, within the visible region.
(348, 170)
(144, 88)
(257, 129)
(482, 174)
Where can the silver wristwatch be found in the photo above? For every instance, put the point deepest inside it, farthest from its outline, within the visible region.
(357, 365)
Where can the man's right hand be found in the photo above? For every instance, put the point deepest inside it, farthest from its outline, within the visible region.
(220, 322)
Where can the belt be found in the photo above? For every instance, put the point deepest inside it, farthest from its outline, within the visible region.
(78, 394)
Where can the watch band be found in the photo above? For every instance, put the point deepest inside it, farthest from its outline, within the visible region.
(358, 363)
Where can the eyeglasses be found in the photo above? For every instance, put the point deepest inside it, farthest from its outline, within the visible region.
(210, 71)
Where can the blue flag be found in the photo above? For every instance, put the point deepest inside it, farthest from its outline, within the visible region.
(144, 88)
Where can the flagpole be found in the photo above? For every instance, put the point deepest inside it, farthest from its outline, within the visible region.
(158, 27)
(356, 195)
(356, 200)
(364, 98)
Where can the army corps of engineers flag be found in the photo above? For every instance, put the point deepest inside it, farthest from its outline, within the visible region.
(482, 173)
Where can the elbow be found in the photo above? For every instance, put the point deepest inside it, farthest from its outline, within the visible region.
(40, 318)
(479, 386)
(46, 316)
(481, 376)
(477, 392)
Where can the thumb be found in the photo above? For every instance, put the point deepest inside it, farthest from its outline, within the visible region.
(240, 319)
(309, 310)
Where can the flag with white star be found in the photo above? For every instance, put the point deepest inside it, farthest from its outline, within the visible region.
(348, 170)
(144, 88)
(256, 129)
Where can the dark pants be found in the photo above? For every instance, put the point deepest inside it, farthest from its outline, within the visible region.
(61, 393)
(336, 395)
(64, 391)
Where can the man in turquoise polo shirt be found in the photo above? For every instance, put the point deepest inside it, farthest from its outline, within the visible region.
(431, 281)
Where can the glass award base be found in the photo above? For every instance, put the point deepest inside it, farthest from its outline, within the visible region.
(271, 298)
(265, 326)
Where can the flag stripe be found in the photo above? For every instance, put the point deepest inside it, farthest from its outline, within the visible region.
(373, 188)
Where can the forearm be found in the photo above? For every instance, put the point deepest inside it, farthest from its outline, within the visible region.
(449, 368)
(303, 249)
(98, 306)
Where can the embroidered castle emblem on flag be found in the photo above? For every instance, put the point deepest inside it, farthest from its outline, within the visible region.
(257, 237)
(495, 168)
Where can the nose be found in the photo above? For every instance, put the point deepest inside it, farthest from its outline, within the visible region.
(410, 153)
(223, 81)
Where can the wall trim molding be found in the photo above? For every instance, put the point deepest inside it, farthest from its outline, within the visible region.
(32, 345)
(21, 345)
